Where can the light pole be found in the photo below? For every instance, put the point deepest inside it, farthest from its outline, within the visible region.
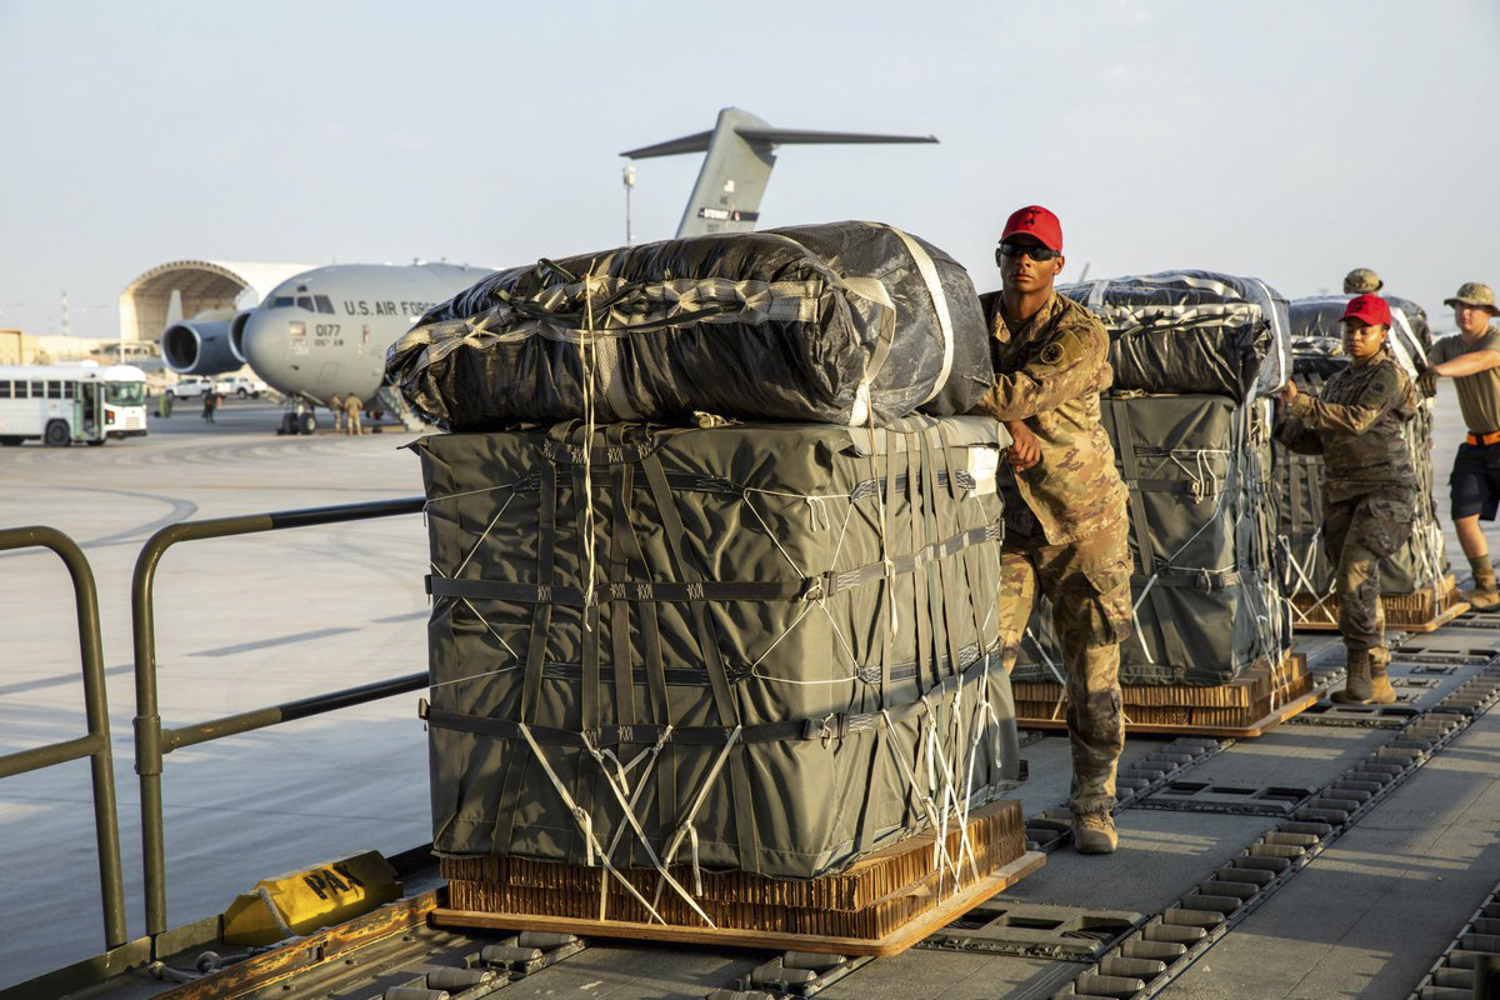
(628, 176)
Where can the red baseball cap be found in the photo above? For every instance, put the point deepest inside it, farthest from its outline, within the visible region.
(1034, 220)
(1371, 310)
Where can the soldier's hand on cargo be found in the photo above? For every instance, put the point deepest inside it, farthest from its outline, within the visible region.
(1288, 392)
(1025, 449)
(1427, 381)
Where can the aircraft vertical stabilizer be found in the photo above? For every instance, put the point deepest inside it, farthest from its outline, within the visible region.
(741, 152)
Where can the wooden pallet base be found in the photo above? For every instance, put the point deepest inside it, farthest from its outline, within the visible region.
(1257, 727)
(1260, 699)
(894, 943)
(1451, 612)
(1426, 610)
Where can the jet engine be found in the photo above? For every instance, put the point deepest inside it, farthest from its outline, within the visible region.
(237, 334)
(199, 347)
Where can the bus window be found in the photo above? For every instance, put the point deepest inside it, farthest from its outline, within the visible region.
(4, 388)
(68, 389)
(325, 304)
(305, 302)
(39, 390)
(125, 393)
(54, 390)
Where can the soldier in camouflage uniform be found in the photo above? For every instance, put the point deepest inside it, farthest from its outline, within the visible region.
(1362, 281)
(1370, 488)
(1065, 528)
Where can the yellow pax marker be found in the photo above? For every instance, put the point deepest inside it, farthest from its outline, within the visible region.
(304, 900)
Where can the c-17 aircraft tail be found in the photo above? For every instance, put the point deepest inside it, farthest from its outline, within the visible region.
(741, 152)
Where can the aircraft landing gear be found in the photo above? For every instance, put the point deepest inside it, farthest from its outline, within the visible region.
(298, 421)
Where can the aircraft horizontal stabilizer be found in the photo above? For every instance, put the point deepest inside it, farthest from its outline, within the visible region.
(807, 137)
(695, 143)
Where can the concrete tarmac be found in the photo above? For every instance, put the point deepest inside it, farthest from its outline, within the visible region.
(241, 623)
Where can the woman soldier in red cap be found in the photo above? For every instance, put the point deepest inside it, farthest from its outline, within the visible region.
(1369, 486)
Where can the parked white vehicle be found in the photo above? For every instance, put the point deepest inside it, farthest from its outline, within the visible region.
(190, 385)
(240, 386)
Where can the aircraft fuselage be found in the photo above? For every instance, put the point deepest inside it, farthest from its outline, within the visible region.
(325, 331)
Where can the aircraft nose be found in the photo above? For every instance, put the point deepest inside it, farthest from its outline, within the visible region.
(266, 342)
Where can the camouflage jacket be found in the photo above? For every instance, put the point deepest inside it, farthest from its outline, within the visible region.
(1049, 372)
(1356, 424)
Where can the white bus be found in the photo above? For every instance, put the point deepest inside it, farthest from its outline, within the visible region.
(61, 404)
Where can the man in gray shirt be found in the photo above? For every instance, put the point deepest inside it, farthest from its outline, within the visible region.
(1471, 358)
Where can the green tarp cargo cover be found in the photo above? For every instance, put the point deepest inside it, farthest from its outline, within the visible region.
(1202, 535)
(777, 654)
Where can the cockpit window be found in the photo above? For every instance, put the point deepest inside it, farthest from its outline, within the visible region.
(325, 304)
(305, 302)
(281, 302)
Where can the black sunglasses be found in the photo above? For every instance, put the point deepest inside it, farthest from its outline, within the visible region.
(1035, 251)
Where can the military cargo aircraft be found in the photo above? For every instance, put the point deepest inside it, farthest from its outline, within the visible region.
(325, 332)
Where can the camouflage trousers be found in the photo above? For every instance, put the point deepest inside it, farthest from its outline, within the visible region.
(1088, 585)
(1357, 534)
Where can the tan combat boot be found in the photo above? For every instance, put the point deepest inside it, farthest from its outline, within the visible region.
(1094, 833)
(1482, 597)
(1357, 688)
(1485, 596)
(1381, 692)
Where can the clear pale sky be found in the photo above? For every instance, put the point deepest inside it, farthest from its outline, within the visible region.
(1287, 140)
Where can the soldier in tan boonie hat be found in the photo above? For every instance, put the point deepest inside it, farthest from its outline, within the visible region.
(1473, 293)
(1362, 281)
(1471, 357)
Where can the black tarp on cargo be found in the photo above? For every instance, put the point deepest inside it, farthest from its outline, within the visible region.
(1191, 331)
(1421, 562)
(1320, 315)
(743, 622)
(1202, 535)
(836, 323)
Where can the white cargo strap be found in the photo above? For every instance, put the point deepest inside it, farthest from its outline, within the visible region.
(1280, 337)
(635, 824)
(686, 830)
(940, 858)
(928, 270)
(1096, 295)
(873, 290)
(581, 817)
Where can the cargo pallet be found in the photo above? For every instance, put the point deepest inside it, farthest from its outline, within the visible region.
(1425, 610)
(880, 906)
(1261, 698)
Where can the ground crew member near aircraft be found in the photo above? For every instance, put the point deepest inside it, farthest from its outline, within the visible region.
(1369, 485)
(352, 406)
(1065, 527)
(336, 404)
(1362, 281)
(1471, 358)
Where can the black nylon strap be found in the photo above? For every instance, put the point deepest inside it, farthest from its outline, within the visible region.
(812, 588)
(836, 726)
(619, 621)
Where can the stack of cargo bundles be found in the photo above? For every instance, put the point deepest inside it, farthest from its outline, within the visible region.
(1195, 357)
(763, 650)
(849, 323)
(1415, 584)
(770, 649)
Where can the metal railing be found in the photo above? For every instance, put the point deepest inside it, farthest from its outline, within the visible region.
(95, 745)
(153, 741)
